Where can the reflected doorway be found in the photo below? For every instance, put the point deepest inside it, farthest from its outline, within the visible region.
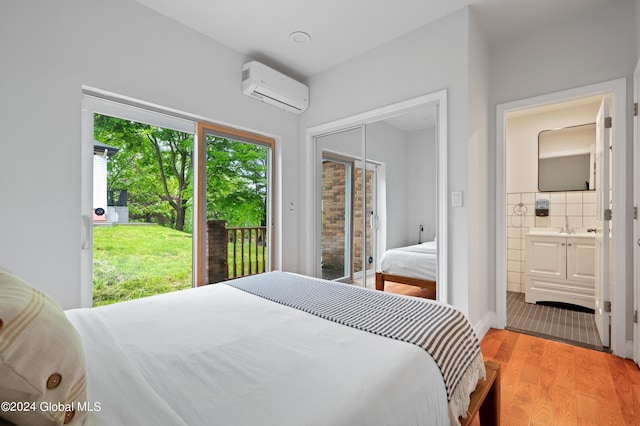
(337, 218)
(380, 136)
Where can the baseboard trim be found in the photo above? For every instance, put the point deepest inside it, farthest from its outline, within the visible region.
(487, 321)
(629, 350)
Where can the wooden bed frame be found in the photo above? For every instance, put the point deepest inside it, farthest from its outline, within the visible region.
(381, 278)
(485, 400)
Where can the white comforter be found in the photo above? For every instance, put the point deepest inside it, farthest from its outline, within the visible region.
(216, 355)
(416, 261)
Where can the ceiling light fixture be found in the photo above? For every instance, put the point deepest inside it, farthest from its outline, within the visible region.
(299, 37)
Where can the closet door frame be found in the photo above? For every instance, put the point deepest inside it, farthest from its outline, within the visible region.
(439, 99)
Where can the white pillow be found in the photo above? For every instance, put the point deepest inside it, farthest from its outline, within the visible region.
(42, 363)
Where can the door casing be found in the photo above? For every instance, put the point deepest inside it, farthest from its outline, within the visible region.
(439, 99)
(620, 314)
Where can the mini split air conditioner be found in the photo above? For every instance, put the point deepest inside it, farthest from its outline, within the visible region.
(268, 85)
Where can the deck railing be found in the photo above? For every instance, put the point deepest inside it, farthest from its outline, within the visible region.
(247, 251)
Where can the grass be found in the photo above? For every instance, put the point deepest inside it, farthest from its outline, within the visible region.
(256, 251)
(130, 262)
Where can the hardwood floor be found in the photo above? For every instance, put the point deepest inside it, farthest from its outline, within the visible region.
(550, 383)
(544, 382)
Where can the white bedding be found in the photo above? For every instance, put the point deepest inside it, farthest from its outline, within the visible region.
(216, 355)
(416, 261)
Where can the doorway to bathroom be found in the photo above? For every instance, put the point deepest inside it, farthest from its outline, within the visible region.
(550, 249)
(551, 200)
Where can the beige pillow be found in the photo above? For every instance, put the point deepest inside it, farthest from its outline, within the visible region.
(42, 363)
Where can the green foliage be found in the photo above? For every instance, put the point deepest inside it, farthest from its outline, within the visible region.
(236, 182)
(155, 166)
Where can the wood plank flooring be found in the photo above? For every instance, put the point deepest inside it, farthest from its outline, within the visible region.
(545, 382)
(550, 383)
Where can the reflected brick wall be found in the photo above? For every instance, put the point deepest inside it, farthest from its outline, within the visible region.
(333, 217)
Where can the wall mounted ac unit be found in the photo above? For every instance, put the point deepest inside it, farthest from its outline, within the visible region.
(268, 85)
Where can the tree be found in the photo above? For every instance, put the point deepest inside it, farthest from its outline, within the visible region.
(236, 182)
(154, 164)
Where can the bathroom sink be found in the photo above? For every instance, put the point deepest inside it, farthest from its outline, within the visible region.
(544, 232)
(554, 232)
(582, 232)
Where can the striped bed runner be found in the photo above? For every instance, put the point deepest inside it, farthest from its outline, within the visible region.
(439, 329)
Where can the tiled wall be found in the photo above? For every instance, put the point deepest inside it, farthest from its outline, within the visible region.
(579, 206)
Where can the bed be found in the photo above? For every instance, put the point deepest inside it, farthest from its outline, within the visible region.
(413, 265)
(276, 348)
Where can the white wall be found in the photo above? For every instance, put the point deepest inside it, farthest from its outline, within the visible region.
(423, 197)
(481, 198)
(388, 144)
(410, 171)
(522, 142)
(637, 16)
(596, 45)
(426, 60)
(49, 50)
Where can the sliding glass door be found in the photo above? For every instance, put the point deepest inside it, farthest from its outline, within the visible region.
(337, 218)
(365, 212)
(234, 204)
(136, 199)
(346, 203)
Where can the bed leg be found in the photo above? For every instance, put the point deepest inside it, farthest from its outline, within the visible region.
(379, 281)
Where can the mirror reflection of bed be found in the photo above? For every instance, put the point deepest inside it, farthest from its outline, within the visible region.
(410, 270)
(399, 200)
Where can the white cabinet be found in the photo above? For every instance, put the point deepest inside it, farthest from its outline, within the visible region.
(560, 269)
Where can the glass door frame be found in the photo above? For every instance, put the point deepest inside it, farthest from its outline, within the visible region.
(328, 155)
(437, 99)
(316, 266)
(370, 219)
(99, 102)
(200, 211)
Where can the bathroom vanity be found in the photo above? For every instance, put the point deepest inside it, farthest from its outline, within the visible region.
(560, 267)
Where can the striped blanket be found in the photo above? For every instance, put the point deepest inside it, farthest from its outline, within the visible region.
(439, 329)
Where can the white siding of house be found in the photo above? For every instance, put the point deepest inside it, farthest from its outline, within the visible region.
(99, 182)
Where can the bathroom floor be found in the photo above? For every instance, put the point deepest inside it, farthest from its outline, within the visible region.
(572, 326)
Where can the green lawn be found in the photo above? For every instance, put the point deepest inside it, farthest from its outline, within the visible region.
(130, 262)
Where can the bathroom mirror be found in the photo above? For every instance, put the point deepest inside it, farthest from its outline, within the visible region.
(566, 158)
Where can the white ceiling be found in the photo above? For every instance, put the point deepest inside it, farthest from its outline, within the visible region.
(342, 29)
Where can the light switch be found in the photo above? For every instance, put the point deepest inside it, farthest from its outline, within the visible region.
(456, 198)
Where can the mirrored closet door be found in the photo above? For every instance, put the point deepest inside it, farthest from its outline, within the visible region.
(343, 227)
(376, 186)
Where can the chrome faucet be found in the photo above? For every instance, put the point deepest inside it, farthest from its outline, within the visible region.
(567, 229)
